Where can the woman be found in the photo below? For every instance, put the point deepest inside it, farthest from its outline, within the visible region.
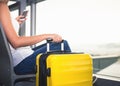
(24, 57)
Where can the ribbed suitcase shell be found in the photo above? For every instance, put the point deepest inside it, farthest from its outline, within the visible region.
(67, 70)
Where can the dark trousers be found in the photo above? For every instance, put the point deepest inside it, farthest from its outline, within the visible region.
(27, 66)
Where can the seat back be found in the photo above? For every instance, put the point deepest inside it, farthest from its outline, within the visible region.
(7, 74)
(6, 62)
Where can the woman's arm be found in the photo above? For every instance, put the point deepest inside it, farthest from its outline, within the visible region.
(20, 41)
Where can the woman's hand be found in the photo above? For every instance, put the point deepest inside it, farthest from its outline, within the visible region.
(54, 37)
(20, 19)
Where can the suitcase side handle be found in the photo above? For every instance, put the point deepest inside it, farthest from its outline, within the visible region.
(49, 40)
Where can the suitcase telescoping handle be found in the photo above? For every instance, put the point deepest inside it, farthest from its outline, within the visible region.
(48, 44)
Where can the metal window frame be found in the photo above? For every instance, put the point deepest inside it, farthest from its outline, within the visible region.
(21, 6)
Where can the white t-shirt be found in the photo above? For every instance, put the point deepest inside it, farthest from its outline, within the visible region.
(20, 53)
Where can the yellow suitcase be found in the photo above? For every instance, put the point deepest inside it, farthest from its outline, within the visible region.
(64, 69)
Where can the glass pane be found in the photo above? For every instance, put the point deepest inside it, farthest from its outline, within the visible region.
(90, 26)
(11, 2)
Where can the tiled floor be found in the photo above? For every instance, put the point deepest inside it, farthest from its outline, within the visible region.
(106, 82)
